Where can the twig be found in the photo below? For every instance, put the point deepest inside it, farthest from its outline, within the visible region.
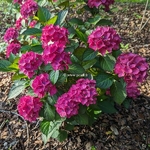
(144, 15)
(14, 113)
(145, 23)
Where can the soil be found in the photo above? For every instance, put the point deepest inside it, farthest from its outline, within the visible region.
(129, 129)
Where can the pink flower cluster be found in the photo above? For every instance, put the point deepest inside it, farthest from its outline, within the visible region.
(54, 35)
(19, 1)
(28, 8)
(41, 85)
(10, 34)
(66, 106)
(104, 39)
(29, 107)
(57, 57)
(133, 68)
(132, 89)
(13, 47)
(18, 23)
(29, 62)
(83, 92)
(54, 39)
(97, 3)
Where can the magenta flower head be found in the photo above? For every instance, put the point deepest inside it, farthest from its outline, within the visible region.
(32, 24)
(10, 34)
(57, 57)
(132, 90)
(97, 3)
(29, 107)
(18, 1)
(104, 39)
(131, 67)
(84, 91)
(29, 8)
(66, 106)
(29, 62)
(41, 85)
(13, 47)
(54, 34)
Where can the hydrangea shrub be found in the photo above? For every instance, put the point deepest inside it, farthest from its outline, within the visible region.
(72, 69)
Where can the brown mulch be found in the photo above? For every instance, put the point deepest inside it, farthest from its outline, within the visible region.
(129, 129)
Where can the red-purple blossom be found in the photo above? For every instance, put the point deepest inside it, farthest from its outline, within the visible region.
(66, 106)
(52, 34)
(131, 67)
(97, 3)
(29, 62)
(29, 107)
(13, 47)
(10, 34)
(104, 39)
(29, 8)
(57, 57)
(41, 85)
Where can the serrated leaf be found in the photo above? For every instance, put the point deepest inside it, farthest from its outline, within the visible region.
(44, 127)
(104, 22)
(43, 14)
(4, 64)
(88, 64)
(76, 69)
(107, 62)
(52, 20)
(49, 112)
(118, 91)
(37, 49)
(54, 75)
(104, 80)
(17, 88)
(76, 21)
(62, 135)
(32, 31)
(81, 35)
(61, 17)
(79, 52)
(94, 20)
(89, 54)
(107, 106)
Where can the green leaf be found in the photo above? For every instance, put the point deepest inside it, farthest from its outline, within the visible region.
(52, 20)
(107, 62)
(43, 14)
(53, 130)
(25, 48)
(116, 53)
(37, 49)
(32, 31)
(76, 21)
(104, 22)
(49, 112)
(94, 20)
(104, 80)
(47, 67)
(4, 64)
(79, 52)
(69, 126)
(12, 57)
(62, 135)
(44, 127)
(76, 69)
(88, 64)
(62, 78)
(54, 75)
(82, 119)
(17, 88)
(81, 35)
(89, 54)
(126, 103)
(107, 106)
(18, 76)
(61, 17)
(118, 91)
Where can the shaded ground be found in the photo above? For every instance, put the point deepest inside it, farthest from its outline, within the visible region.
(125, 130)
